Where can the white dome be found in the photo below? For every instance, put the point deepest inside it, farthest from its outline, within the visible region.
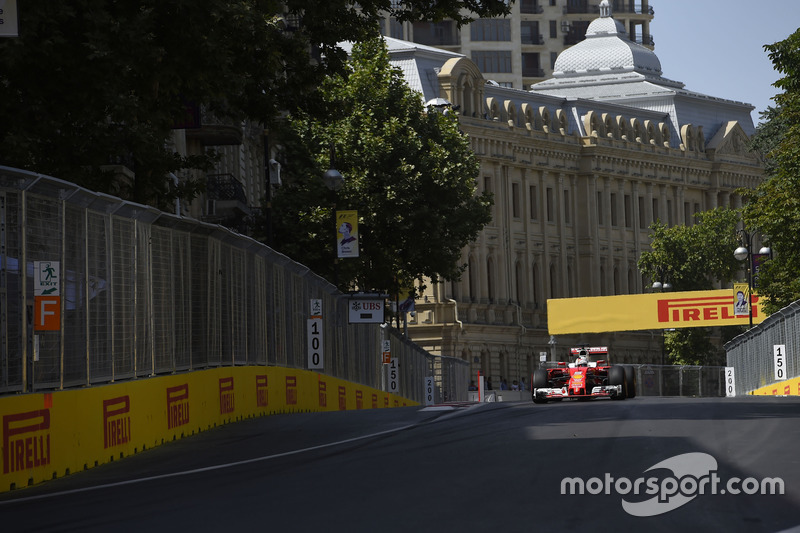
(606, 48)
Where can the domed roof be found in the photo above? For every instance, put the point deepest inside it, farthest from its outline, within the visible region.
(606, 48)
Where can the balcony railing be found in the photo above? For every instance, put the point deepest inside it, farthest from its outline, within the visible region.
(532, 73)
(225, 187)
(530, 6)
(533, 39)
(646, 40)
(635, 9)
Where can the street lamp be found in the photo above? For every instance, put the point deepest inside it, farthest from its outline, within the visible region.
(743, 253)
(662, 285)
(334, 181)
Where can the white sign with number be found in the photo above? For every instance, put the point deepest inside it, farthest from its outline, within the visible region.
(429, 391)
(542, 357)
(314, 333)
(394, 376)
(779, 351)
(730, 382)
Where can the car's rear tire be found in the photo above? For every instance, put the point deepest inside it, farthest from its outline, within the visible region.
(539, 382)
(630, 381)
(616, 376)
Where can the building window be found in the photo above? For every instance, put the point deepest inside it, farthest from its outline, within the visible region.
(550, 214)
(566, 207)
(529, 32)
(642, 221)
(493, 61)
(395, 29)
(530, 65)
(613, 209)
(628, 211)
(553, 58)
(490, 30)
(600, 217)
(515, 199)
(436, 33)
(655, 210)
(553, 29)
(687, 214)
(669, 213)
(534, 199)
(490, 278)
(487, 184)
(529, 6)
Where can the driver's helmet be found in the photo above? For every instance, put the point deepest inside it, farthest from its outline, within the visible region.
(583, 359)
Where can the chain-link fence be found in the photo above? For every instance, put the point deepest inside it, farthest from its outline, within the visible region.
(145, 293)
(752, 354)
(674, 380)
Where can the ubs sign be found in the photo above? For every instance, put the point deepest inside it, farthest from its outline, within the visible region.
(366, 311)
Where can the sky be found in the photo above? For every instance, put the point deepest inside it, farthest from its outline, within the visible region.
(715, 47)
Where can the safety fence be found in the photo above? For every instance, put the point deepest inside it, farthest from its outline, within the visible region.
(143, 293)
(767, 353)
(674, 380)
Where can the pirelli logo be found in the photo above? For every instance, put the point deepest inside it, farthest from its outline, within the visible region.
(226, 396)
(26, 440)
(323, 394)
(262, 392)
(177, 406)
(688, 310)
(116, 421)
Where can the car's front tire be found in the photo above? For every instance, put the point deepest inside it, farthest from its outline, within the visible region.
(616, 376)
(539, 382)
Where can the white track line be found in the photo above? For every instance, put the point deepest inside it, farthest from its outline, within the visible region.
(205, 469)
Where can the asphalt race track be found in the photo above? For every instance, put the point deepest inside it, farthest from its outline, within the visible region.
(489, 467)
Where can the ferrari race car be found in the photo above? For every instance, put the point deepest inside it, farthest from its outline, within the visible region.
(584, 379)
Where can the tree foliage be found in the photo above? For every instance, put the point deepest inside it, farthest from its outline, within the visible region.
(409, 172)
(774, 207)
(90, 83)
(693, 258)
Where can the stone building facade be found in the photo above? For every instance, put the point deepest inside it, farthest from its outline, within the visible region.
(579, 167)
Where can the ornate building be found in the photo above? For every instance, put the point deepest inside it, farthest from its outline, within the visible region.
(579, 166)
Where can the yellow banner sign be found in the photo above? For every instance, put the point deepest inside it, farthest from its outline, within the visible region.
(629, 312)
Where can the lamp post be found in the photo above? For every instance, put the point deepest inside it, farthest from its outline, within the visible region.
(744, 253)
(334, 182)
(662, 285)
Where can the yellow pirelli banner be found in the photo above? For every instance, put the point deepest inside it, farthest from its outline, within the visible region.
(692, 309)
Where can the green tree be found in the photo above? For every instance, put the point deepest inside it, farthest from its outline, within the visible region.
(694, 258)
(409, 172)
(774, 207)
(90, 83)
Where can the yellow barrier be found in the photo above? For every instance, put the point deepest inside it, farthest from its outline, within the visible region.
(790, 387)
(48, 435)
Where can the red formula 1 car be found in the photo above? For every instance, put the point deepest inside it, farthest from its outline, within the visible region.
(584, 379)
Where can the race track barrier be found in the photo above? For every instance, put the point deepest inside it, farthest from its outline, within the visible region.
(111, 308)
(753, 355)
(43, 439)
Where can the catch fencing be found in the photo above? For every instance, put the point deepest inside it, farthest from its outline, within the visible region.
(146, 293)
(675, 380)
(752, 354)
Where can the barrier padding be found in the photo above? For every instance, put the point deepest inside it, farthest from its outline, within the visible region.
(790, 387)
(52, 434)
